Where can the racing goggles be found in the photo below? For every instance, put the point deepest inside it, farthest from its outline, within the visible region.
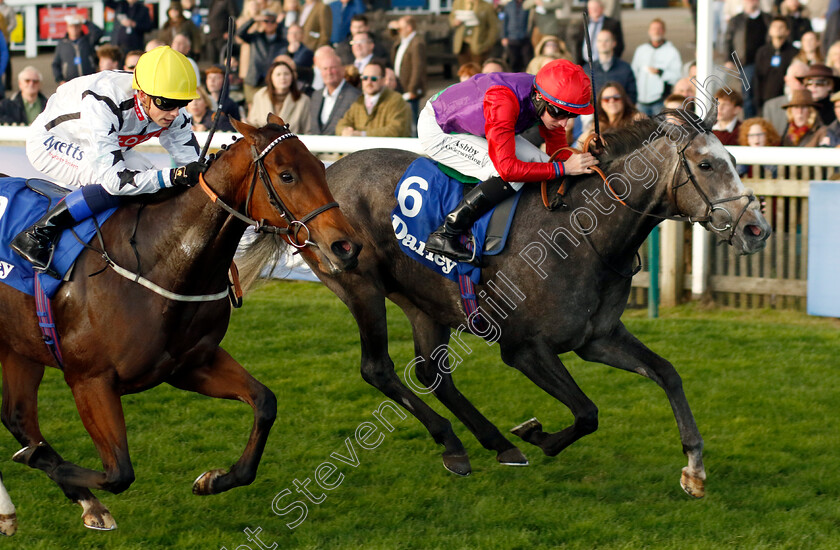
(557, 113)
(166, 104)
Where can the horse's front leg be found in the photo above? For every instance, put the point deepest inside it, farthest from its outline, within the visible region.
(536, 361)
(622, 350)
(224, 378)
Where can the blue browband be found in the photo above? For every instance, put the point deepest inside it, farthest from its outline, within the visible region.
(559, 101)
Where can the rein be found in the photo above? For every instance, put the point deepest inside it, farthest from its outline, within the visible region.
(295, 225)
(711, 206)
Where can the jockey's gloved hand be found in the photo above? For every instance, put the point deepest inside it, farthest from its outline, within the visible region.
(187, 176)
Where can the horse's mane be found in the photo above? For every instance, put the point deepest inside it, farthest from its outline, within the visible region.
(265, 250)
(627, 139)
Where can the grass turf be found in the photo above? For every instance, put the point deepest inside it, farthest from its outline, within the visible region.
(763, 386)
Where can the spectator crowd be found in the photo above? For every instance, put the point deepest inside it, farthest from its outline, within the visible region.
(325, 70)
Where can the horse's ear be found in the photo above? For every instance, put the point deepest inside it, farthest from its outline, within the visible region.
(274, 119)
(711, 116)
(243, 128)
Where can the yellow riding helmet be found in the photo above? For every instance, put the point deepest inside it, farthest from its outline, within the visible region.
(163, 72)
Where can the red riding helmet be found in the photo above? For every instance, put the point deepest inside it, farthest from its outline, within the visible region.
(566, 86)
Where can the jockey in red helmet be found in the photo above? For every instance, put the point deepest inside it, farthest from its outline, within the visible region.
(474, 128)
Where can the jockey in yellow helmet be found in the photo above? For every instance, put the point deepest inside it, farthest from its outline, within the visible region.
(84, 141)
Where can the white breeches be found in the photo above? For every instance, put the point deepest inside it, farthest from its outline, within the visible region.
(466, 153)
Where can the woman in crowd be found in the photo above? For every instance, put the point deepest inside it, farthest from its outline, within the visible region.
(803, 120)
(282, 97)
(614, 110)
(757, 132)
(200, 113)
(548, 49)
(810, 52)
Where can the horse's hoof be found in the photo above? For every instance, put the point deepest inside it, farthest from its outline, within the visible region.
(458, 464)
(203, 485)
(512, 457)
(95, 516)
(694, 486)
(527, 428)
(24, 456)
(99, 520)
(8, 524)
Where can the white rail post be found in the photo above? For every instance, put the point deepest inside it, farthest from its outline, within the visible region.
(700, 239)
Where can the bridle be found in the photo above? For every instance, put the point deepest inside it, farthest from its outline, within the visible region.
(711, 206)
(294, 225)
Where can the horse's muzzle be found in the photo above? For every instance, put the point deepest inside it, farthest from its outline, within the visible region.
(752, 233)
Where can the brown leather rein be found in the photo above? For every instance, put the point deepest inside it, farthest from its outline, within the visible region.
(562, 189)
(711, 206)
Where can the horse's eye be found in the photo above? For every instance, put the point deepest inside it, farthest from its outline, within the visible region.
(287, 177)
(705, 165)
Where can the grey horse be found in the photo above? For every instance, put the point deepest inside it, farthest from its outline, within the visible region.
(561, 285)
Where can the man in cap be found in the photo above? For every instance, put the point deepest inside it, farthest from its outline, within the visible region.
(84, 139)
(75, 55)
(266, 44)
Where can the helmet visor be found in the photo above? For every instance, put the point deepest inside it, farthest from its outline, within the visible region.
(166, 104)
(557, 113)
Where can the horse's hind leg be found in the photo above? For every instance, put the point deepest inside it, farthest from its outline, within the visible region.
(435, 372)
(226, 379)
(368, 308)
(623, 350)
(546, 370)
(21, 379)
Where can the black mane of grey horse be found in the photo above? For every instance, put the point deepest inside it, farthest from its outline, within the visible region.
(560, 286)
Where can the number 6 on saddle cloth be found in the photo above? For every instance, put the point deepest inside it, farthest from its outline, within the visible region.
(426, 192)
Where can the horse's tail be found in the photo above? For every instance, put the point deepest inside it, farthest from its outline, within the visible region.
(266, 249)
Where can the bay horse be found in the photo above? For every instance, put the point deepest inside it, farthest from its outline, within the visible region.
(118, 337)
(561, 286)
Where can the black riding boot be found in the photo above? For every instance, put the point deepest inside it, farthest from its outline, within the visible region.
(475, 204)
(36, 243)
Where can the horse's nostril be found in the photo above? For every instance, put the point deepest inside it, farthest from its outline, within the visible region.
(345, 250)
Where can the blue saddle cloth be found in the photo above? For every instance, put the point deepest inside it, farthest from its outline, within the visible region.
(20, 207)
(425, 195)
